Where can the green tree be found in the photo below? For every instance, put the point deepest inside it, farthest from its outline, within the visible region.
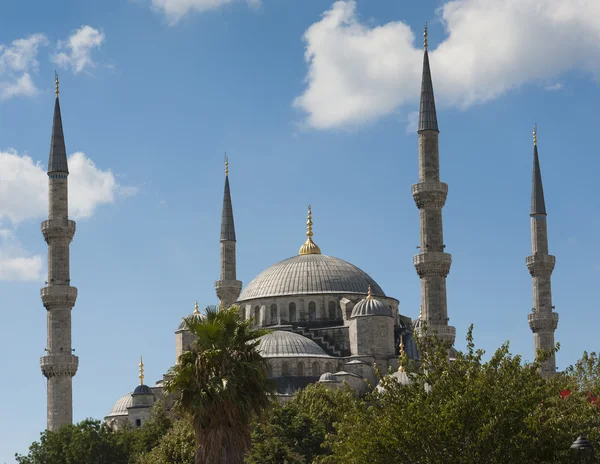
(465, 411)
(221, 384)
(295, 432)
(88, 442)
(177, 446)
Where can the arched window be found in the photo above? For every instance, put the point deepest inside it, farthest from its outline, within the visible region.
(340, 367)
(285, 370)
(312, 311)
(257, 315)
(332, 310)
(274, 314)
(292, 312)
(328, 368)
(300, 369)
(316, 370)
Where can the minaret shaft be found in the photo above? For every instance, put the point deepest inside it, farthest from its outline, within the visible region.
(542, 320)
(228, 288)
(432, 263)
(59, 365)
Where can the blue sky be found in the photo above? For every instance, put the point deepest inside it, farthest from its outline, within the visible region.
(315, 103)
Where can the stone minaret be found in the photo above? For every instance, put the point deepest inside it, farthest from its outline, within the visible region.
(432, 263)
(228, 287)
(59, 365)
(542, 320)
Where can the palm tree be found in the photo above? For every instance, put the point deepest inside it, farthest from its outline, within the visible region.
(221, 384)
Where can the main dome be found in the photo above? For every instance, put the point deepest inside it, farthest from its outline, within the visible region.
(310, 274)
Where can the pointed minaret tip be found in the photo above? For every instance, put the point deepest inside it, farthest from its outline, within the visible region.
(227, 222)
(427, 113)
(57, 160)
(538, 204)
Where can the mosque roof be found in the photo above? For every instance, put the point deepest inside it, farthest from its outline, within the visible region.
(310, 274)
(120, 407)
(282, 343)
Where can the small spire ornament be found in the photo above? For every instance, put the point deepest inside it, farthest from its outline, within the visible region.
(535, 135)
(425, 38)
(141, 376)
(402, 353)
(309, 247)
(56, 91)
(226, 165)
(196, 310)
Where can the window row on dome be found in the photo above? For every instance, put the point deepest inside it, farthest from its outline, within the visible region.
(283, 314)
(278, 368)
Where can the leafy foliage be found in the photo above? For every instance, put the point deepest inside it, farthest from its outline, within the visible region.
(177, 446)
(221, 384)
(295, 432)
(466, 411)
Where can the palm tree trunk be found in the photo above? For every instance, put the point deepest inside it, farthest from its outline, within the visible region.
(223, 445)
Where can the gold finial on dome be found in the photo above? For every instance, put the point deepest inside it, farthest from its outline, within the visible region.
(226, 165)
(369, 294)
(425, 37)
(309, 247)
(402, 353)
(141, 376)
(56, 91)
(534, 135)
(196, 310)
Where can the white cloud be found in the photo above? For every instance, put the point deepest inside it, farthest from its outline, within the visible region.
(15, 262)
(24, 187)
(553, 87)
(358, 72)
(24, 196)
(17, 61)
(76, 51)
(175, 10)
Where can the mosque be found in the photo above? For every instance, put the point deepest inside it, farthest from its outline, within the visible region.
(330, 321)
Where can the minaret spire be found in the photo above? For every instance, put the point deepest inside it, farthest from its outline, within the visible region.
(228, 288)
(59, 365)
(432, 263)
(542, 320)
(427, 114)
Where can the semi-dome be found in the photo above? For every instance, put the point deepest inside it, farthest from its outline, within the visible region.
(370, 306)
(310, 274)
(282, 343)
(120, 407)
(328, 377)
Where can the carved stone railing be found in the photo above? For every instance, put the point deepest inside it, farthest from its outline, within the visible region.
(540, 265)
(430, 194)
(433, 264)
(57, 229)
(59, 364)
(540, 322)
(58, 296)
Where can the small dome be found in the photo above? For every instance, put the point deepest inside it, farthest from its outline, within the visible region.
(196, 314)
(142, 390)
(120, 407)
(370, 306)
(328, 377)
(401, 377)
(282, 343)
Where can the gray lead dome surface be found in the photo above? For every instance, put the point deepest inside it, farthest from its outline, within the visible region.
(282, 343)
(310, 274)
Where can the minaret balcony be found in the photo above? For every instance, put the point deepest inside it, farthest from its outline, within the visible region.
(59, 364)
(430, 194)
(58, 297)
(58, 229)
(542, 322)
(540, 265)
(442, 332)
(432, 264)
